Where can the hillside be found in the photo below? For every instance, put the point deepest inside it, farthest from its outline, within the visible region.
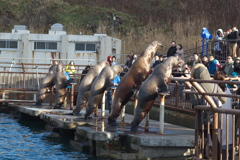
(137, 22)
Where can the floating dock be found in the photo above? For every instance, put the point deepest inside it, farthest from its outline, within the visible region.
(97, 138)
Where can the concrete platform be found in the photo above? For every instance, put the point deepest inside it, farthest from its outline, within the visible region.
(117, 142)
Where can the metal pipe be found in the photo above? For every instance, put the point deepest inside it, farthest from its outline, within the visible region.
(13, 61)
(65, 103)
(123, 114)
(72, 95)
(233, 135)
(103, 106)
(227, 133)
(147, 122)
(161, 115)
(226, 81)
(212, 94)
(48, 59)
(196, 134)
(51, 96)
(135, 105)
(219, 110)
(38, 86)
(215, 137)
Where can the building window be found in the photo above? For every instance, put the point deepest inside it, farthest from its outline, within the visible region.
(45, 45)
(89, 47)
(8, 44)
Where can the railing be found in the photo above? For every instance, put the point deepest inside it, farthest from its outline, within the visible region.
(221, 56)
(33, 67)
(203, 135)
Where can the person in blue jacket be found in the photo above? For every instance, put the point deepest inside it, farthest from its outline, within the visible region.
(115, 81)
(213, 65)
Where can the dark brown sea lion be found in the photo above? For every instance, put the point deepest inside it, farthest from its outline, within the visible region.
(46, 85)
(156, 83)
(100, 84)
(132, 80)
(54, 77)
(86, 84)
(61, 84)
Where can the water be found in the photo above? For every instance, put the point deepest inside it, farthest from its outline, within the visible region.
(27, 140)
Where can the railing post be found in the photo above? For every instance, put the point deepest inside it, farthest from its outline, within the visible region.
(123, 114)
(161, 114)
(147, 122)
(51, 96)
(196, 134)
(215, 137)
(72, 95)
(135, 105)
(177, 95)
(103, 106)
(37, 78)
(3, 97)
(65, 103)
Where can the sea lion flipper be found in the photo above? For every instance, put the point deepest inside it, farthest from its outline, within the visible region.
(164, 90)
(109, 85)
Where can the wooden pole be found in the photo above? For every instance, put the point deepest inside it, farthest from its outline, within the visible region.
(72, 95)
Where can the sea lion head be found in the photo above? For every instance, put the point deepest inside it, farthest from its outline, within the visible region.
(59, 68)
(174, 61)
(152, 48)
(118, 69)
(103, 63)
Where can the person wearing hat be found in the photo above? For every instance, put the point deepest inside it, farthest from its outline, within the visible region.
(218, 44)
(236, 65)
(228, 66)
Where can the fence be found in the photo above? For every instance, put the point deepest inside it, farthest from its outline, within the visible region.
(204, 132)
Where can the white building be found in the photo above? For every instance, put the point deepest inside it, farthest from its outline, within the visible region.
(21, 46)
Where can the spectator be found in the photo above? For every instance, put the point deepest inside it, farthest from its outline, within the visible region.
(219, 75)
(233, 44)
(228, 67)
(109, 59)
(201, 72)
(218, 45)
(66, 73)
(180, 51)
(205, 61)
(195, 60)
(157, 60)
(213, 65)
(172, 50)
(115, 81)
(113, 61)
(128, 63)
(84, 72)
(70, 69)
(236, 65)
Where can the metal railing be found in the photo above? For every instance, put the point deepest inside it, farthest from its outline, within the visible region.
(214, 132)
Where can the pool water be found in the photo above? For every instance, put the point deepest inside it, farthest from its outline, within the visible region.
(27, 140)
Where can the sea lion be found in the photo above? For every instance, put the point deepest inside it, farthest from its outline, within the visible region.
(61, 84)
(100, 84)
(46, 85)
(86, 84)
(132, 80)
(156, 83)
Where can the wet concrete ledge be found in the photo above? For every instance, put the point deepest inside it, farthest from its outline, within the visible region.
(96, 137)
